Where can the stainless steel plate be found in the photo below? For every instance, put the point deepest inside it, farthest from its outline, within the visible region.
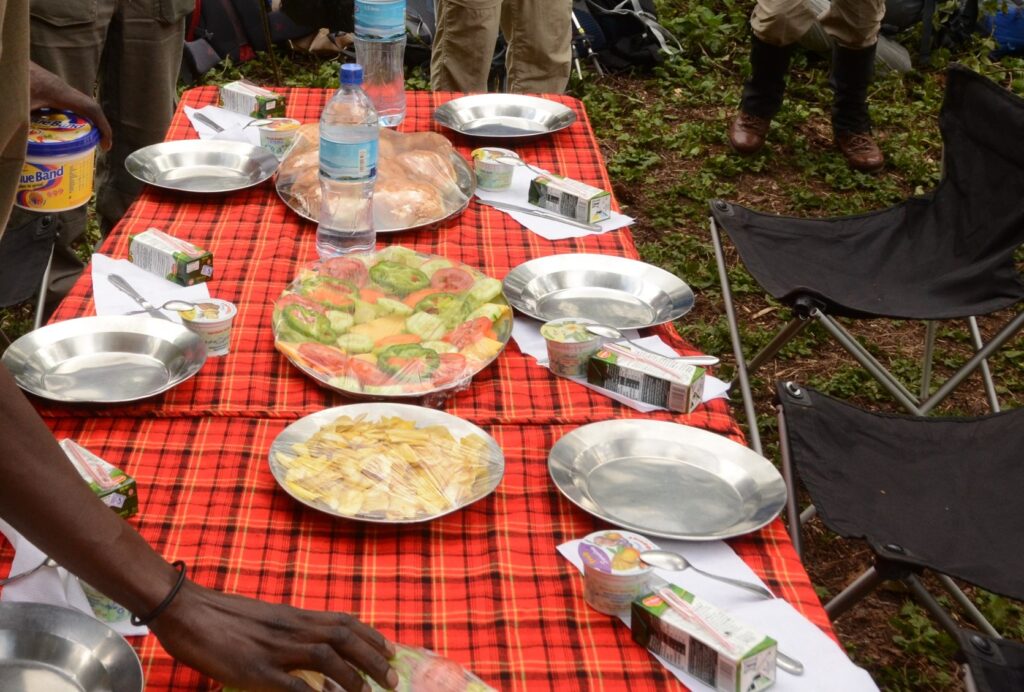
(105, 359)
(666, 479)
(202, 165)
(46, 647)
(302, 429)
(620, 292)
(505, 116)
(465, 178)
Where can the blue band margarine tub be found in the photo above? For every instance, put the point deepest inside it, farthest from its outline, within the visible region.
(58, 170)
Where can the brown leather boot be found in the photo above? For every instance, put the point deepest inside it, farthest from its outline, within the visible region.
(747, 133)
(860, 151)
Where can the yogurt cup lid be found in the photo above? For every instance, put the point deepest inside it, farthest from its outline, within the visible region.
(60, 133)
(615, 552)
(204, 314)
(491, 153)
(567, 330)
(278, 124)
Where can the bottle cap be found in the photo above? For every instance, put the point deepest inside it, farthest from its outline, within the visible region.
(351, 73)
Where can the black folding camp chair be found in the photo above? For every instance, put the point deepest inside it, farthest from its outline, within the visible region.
(945, 255)
(925, 493)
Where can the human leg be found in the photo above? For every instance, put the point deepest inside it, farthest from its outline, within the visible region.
(464, 40)
(67, 39)
(854, 25)
(539, 34)
(137, 87)
(775, 25)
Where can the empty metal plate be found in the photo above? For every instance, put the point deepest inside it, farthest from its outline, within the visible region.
(617, 291)
(202, 165)
(47, 647)
(504, 115)
(107, 359)
(665, 479)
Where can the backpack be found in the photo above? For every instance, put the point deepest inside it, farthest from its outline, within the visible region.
(619, 35)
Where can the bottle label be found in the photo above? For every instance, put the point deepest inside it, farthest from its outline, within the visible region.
(380, 19)
(348, 160)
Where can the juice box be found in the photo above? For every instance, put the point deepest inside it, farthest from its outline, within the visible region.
(570, 198)
(647, 377)
(113, 486)
(172, 258)
(713, 646)
(248, 99)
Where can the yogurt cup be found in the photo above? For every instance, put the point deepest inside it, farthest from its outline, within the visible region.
(613, 574)
(59, 162)
(570, 345)
(213, 325)
(277, 134)
(491, 172)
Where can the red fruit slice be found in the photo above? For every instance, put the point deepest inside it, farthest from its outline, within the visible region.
(367, 373)
(347, 269)
(451, 369)
(451, 280)
(325, 359)
(468, 332)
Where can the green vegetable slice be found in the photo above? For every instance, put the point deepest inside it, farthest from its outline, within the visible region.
(408, 362)
(308, 322)
(398, 278)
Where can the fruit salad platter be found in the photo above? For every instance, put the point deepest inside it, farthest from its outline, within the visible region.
(392, 324)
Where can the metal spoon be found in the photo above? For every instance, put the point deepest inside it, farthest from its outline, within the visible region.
(48, 562)
(179, 305)
(666, 559)
(675, 562)
(613, 333)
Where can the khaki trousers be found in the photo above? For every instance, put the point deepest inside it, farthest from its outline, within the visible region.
(14, 114)
(128, 52)
(852, 23)
(538, 33)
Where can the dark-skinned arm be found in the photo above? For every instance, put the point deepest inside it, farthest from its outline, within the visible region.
(47, 90)
(238, 641)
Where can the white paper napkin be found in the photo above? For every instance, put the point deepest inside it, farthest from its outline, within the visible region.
(110, 300)
(52, 585)
(234, 125)
(552, 230)
(526, 332)
(826, 666)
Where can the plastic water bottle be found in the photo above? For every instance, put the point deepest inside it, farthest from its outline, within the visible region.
(380, 49)
(349, 133)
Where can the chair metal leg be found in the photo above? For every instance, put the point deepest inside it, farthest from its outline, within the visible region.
(931, 605)
(969, 684)
(858, 589)
(810, 511)
(926, 361)
(868, 361)
(1004, 335)
(972, 610)
(794, 327)
(737, 348)
(986, 372)
(43, 287)
(792, 513)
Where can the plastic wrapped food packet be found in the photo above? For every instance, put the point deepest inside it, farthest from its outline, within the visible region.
(419, 670)
(416, 181)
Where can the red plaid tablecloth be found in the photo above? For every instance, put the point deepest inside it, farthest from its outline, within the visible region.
(484, 585)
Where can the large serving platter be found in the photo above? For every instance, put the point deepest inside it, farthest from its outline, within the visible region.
(355, 352)
(300, 432)
(108, 359)
(464, 178)
(56, 649)
(617, 291)
(504, 116)
(665, 479)
(202, 166)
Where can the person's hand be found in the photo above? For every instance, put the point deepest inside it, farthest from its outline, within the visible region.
(253, 645)
(47, 90)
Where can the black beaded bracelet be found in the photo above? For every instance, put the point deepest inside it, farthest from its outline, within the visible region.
(139, 622)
